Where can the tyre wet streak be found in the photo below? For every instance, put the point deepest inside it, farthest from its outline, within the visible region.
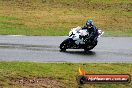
(46, 49)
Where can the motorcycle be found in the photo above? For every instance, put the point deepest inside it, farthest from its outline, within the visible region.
(79, 39)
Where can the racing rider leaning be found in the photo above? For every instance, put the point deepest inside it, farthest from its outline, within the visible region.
(92, 30)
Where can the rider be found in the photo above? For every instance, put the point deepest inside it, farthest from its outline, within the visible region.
(91, 29)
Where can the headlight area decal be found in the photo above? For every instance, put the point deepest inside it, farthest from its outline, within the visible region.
(84, 78)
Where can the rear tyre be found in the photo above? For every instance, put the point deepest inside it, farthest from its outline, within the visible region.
(90, 46)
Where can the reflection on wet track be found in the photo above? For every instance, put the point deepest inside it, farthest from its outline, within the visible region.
(28, 47)
(46, 49)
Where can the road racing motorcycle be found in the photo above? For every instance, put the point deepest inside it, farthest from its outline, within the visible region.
(79, 39)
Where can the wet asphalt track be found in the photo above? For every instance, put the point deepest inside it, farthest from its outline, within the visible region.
(46, 49)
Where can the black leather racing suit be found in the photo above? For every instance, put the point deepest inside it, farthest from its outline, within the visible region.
(93, 32)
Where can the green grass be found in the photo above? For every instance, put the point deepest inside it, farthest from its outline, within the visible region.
(65, 73)
(57, 17)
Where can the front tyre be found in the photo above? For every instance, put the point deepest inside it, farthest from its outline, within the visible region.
(64, 45)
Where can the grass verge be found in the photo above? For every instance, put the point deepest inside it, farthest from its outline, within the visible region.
(57, 17)
(57, 75)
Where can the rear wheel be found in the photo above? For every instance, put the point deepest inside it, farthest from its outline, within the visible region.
(90, 46)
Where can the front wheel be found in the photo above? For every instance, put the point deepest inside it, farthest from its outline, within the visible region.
(64, 45)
